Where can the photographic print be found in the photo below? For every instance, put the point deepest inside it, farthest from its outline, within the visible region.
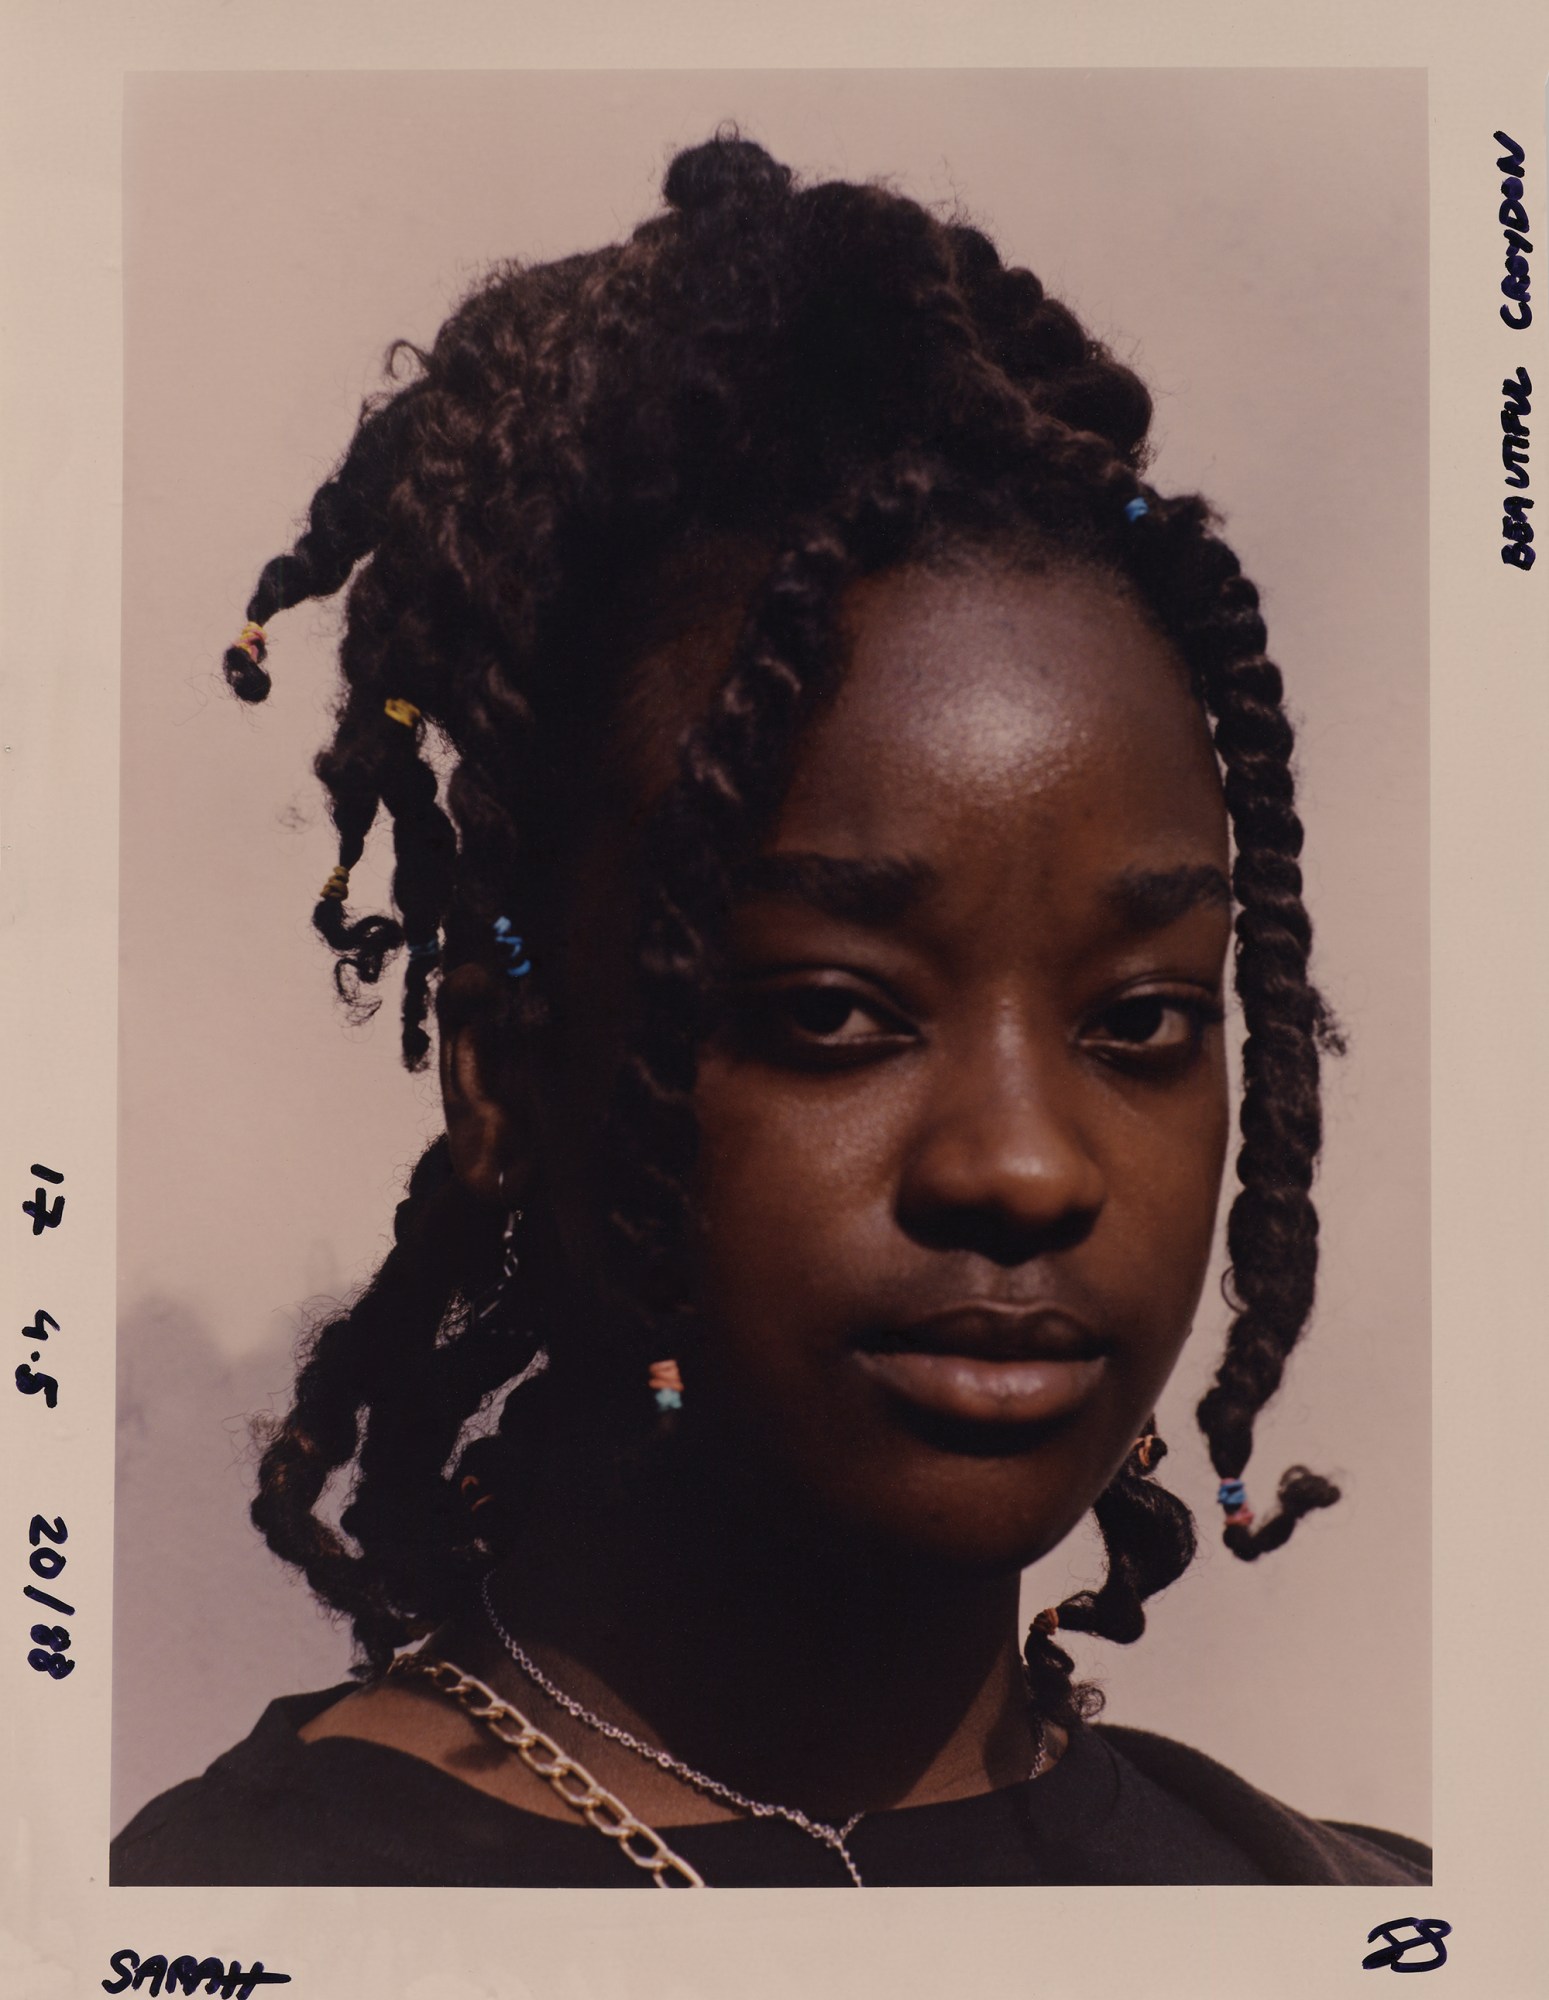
(782, 834)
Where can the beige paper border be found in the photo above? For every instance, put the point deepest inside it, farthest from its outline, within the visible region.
(60, 500)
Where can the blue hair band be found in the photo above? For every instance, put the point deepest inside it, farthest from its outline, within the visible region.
(1135, 509)
(1232, 1493)
(426, 948)
(507, 941)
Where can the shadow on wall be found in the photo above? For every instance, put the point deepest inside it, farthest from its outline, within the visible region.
(190, 1680)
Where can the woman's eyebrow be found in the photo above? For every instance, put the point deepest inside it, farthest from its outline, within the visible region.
(1147, 899)
(876, 890)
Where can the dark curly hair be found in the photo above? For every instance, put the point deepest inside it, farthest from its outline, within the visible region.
(833, 375)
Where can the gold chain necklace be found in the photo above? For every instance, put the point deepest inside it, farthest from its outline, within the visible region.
(569, 1780)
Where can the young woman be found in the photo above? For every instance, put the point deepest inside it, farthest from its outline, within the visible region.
(825, 782)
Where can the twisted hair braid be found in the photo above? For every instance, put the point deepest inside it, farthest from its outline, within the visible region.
(761, 354)
(1272, 1227)
(417, 1547)
(1195, 584)
(1148, 1539)
(321, 1432)
(731, 776)
(343, 523)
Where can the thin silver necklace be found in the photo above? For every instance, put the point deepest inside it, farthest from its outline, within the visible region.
(830, 1836)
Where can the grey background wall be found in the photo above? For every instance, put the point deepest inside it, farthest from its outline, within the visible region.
(1255, 243)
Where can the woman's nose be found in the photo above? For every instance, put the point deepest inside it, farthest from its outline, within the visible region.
(999, 1162)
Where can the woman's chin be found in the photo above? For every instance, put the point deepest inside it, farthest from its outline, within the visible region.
(983, 1545)
(953, 1528)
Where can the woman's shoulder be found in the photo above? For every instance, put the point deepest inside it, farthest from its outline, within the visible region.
(263, 1812)
(1289, 1846)
(290, 1806)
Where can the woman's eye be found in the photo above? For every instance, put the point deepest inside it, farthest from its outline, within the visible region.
(1156, 1025)
(824, 1012)
(814, 1022)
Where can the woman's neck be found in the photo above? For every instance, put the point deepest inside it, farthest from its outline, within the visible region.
(785, 1672)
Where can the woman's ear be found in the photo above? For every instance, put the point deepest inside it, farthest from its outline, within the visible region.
(484, 1124)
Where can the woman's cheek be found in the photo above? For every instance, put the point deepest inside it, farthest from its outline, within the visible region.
(1178, 1187)
(1203, 1157)
(793, 1187)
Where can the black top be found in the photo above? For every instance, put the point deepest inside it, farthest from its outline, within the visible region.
(1120, 1806)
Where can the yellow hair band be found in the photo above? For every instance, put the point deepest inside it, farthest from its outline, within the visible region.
(250, 640)
(337, 887)
(402, 711)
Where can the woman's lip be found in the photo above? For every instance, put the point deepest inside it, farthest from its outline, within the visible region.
(977, 1390)
(981, 1330)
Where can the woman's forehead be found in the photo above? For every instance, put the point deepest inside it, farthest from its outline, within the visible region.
(992, 703)
(923, 643)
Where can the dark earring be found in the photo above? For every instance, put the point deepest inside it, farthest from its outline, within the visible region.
(499, 1309)
(493, 1308)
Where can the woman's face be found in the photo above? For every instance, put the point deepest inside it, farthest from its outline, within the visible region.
(963, 1125)
(964, 1128)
